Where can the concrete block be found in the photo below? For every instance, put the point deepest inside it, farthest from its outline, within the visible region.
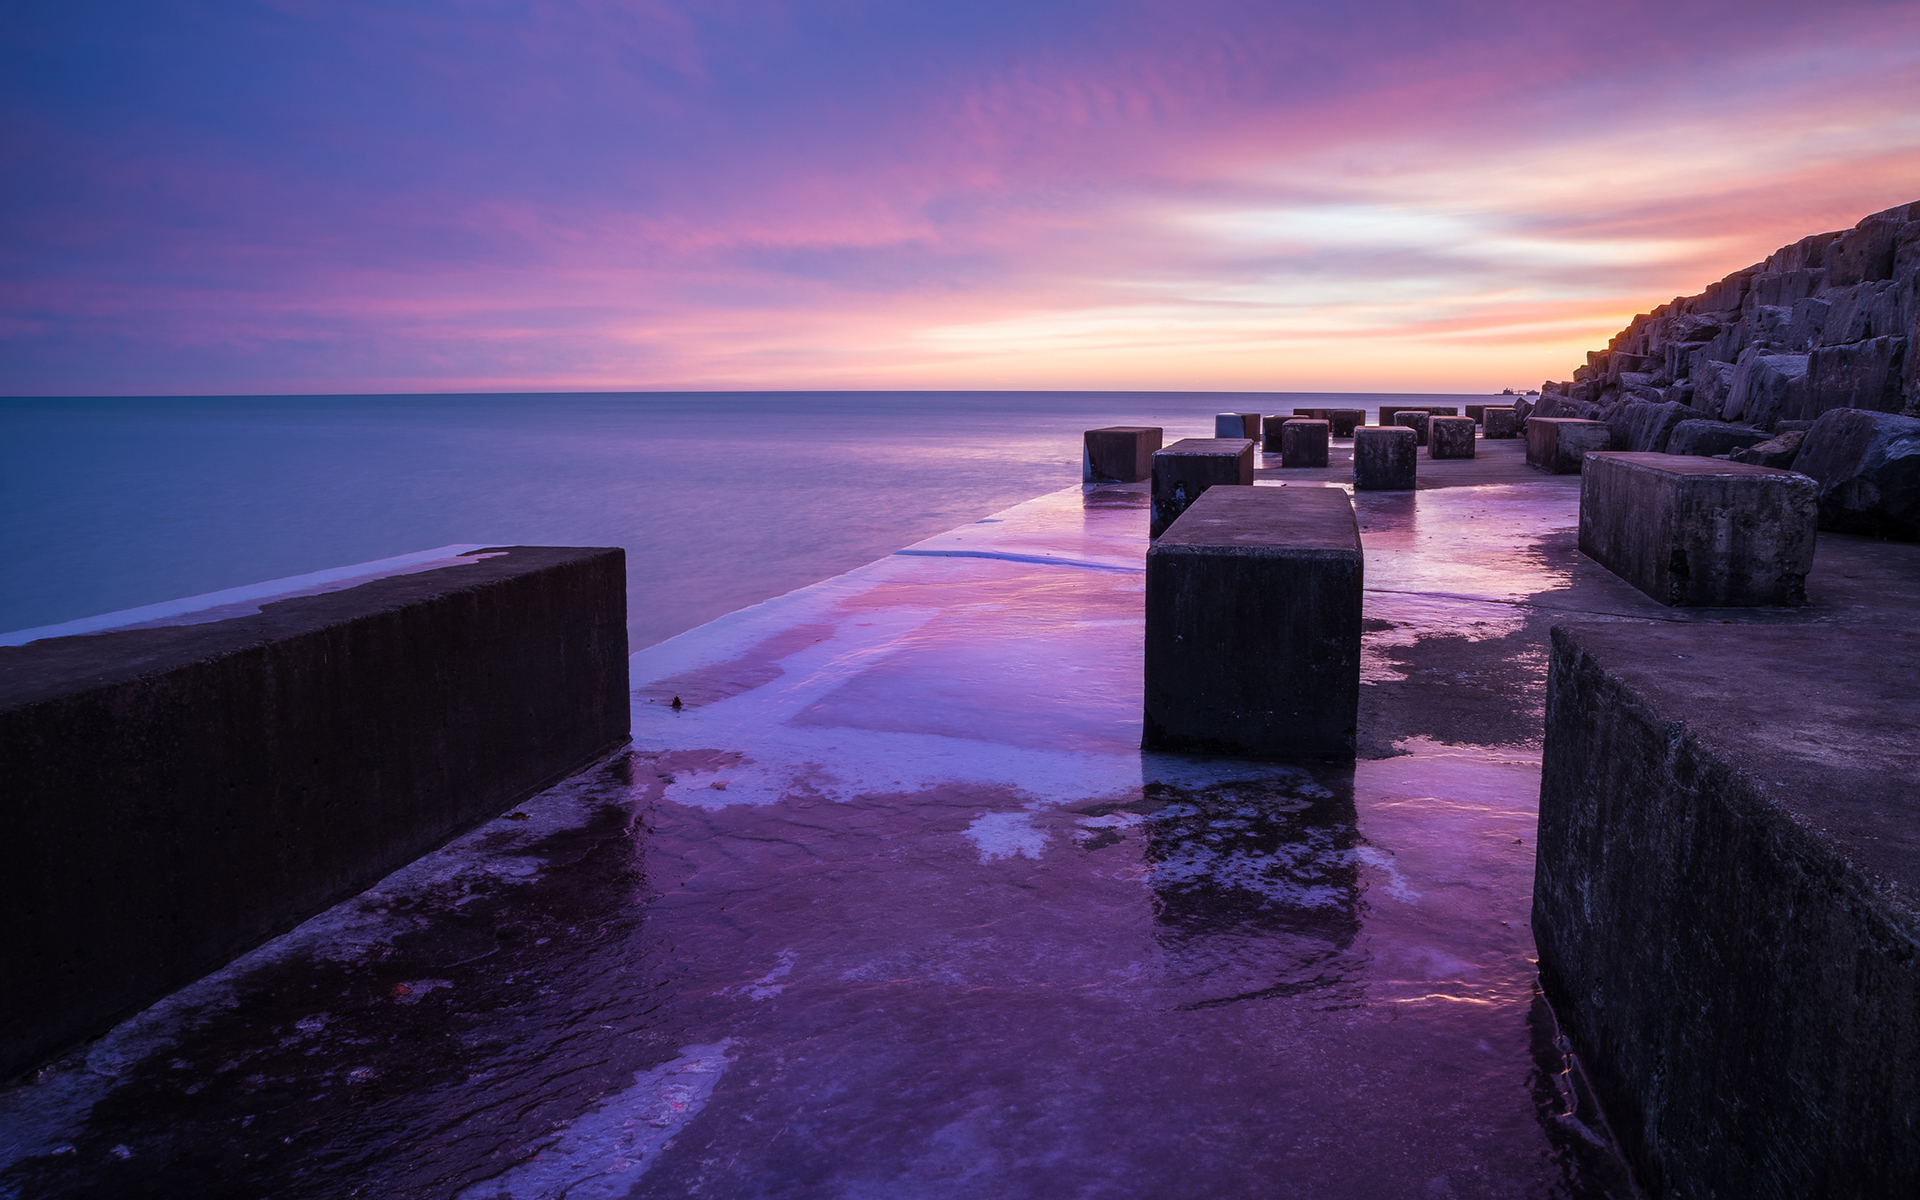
(1385, 458)
(1318, 414)
(1190, 466)
(1270, 432)
(177, 795)
(1725, 899)
(1474, 411)
(1253, 626)
(1229, 425)
(1250, 425)
(1450, 437)
(1303, 443)
(1557, 444)
(1123, 453)
(1500, 423)
(1345, 420)
(1416, 420)
(1699, 531)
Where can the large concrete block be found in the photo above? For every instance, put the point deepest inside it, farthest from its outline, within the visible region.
(1474, 412)
(1500, 423)
(1450, 437)
(1229, 425)
(1250, 425)
(1253, 626)
(1557, 444)
(1699, 531)
(1416, 420)
(1318, 414)
(1303, 443)
(1385, 458)
(1190, 466)
(1725, 900)
(1270, 432)
(1345, 420)
(176, 795)
(1123, 453)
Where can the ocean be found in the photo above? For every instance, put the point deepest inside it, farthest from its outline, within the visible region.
(721, 499)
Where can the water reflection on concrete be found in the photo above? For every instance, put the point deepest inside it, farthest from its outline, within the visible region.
(892, 905)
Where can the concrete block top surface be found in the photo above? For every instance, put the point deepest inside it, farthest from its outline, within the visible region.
(58, 665)
(1819, 721)
(1690, 466)
(1265, 521)
(1229, 447)
(1126, 429)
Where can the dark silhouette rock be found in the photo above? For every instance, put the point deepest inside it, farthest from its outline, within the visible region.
(1868, 467)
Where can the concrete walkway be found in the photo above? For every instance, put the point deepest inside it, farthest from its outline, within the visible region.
(891, 905)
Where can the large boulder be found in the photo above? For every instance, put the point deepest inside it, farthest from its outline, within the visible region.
(1868, 467)
(1712, 381)
(1708, 438)
(1645, 427)
(1766, 387)
(1864, 374)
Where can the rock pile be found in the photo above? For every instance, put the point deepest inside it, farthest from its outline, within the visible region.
(1809, 360)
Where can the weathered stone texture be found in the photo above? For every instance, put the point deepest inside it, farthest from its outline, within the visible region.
(1557, 444)
(1699, 531)
(1725, 900)
(1867, 466)
(1303, 443)
(1253, 627)
(1705, 439)
(1385, 458)
(1123, 453)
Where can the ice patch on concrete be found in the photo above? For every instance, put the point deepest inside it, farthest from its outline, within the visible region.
(1396, 882)
(766, 987)
(604, 1152)
(1007, 835)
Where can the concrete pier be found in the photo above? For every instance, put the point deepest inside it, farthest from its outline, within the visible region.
(1699, 531)
(177, 794)
(1556, 445)
(1499, 423)
(1253, 627)
(1725, 899)
(1303, 443)
(1119, 453)
(1417, 420)
(1184, 470)
(1450, 437)
(1385, 458)
(1346, 420)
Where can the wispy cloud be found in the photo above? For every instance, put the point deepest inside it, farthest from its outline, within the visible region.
(297, 197)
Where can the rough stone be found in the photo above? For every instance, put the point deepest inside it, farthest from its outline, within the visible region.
(1474, 412)
(1501, 423)
(1725, 900)
(1346, 420)
(1184, 470)
(1778, 451)
(1864, 374)
(1450, 437)
(1385, 458)
(1766, 386)
(1303, 443)
(1698, 531)
(1712, 381)
(1416, 420)
(1647, 426)
(1867, 465)
(1270, 432)
(1557, 444)
(1705, 439)
(176, 795)
(1253, 627)
(1123, 453)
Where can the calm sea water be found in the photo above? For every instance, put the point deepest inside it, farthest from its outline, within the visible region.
(720, 499)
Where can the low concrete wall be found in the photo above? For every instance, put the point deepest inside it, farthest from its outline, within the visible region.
(175, 796)
(1727, 900)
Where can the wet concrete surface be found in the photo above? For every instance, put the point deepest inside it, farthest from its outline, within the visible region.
(892, 905)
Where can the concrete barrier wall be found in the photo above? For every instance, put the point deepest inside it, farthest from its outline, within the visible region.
(1727, 900)
(174, 796)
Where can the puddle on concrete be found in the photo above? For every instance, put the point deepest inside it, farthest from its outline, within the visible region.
(894, 906)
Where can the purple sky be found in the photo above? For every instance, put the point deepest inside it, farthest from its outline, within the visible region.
(297, 196)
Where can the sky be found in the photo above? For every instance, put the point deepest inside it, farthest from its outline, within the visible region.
(328, 196)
